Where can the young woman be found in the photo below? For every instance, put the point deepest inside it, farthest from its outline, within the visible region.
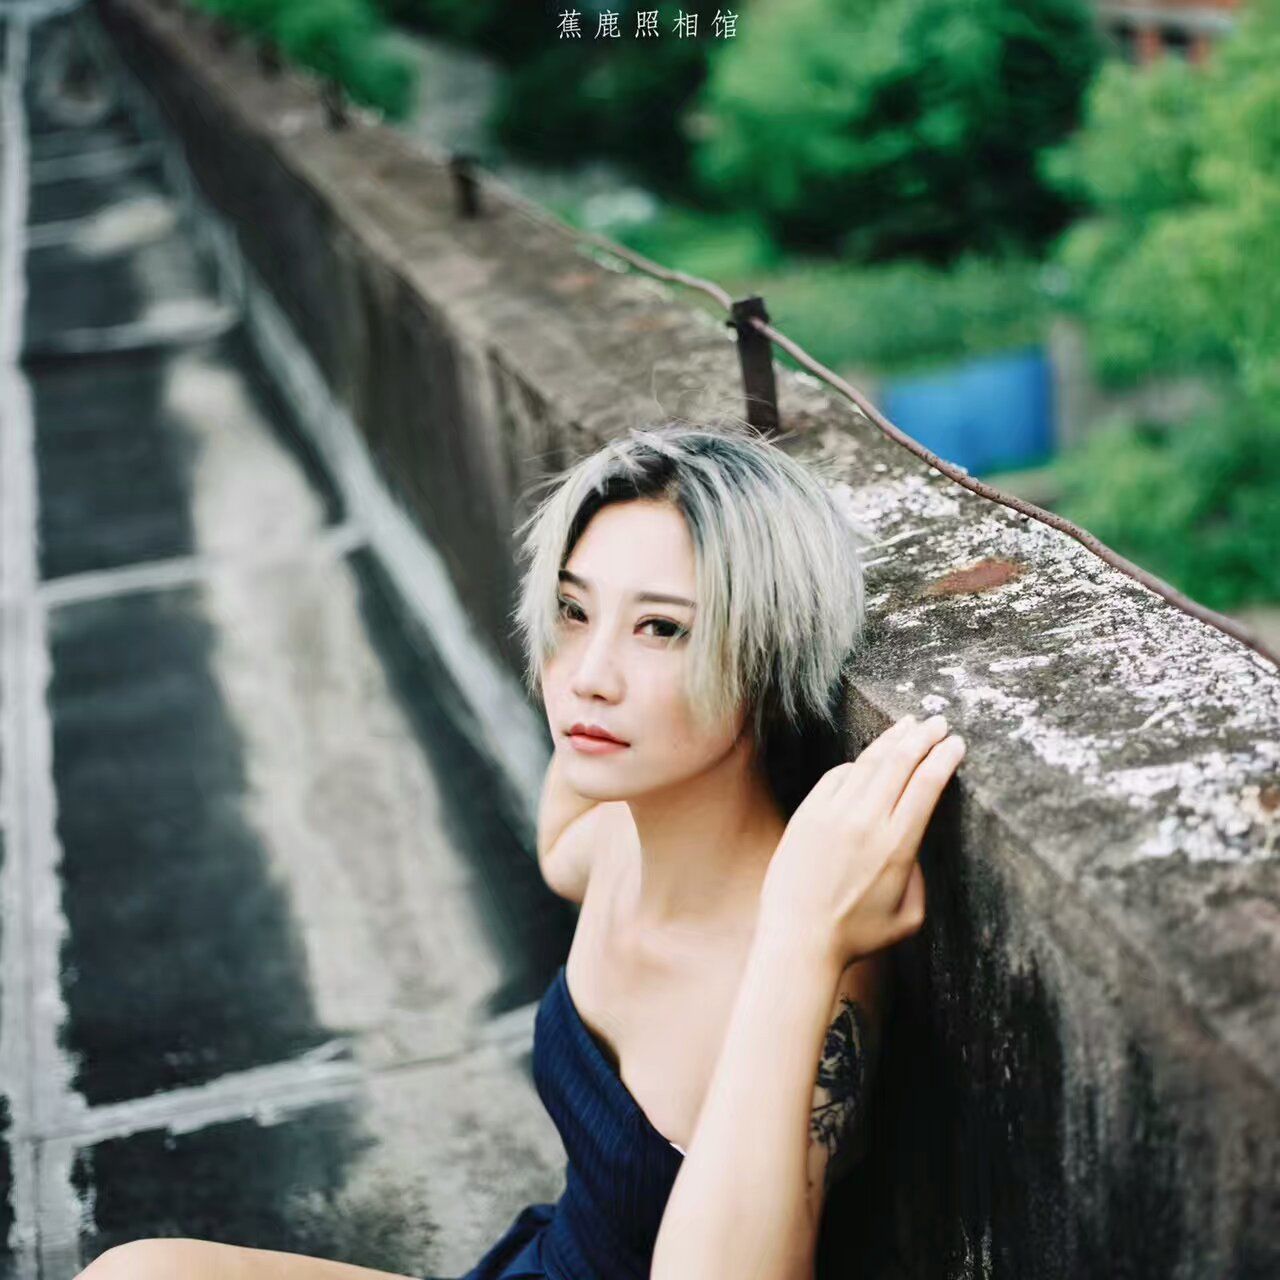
(706, 1049)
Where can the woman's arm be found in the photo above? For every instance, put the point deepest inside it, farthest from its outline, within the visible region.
(842, 885)
(572, 832)
(558, 805)
(742, 1203)
(845, 1077)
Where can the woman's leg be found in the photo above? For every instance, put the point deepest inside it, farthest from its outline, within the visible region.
(179, 1258)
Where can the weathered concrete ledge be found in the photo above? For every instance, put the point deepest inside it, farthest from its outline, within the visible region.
(1084, 1066)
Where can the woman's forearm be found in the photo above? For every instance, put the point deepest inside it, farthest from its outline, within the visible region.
(558, 805)
(740, 1204)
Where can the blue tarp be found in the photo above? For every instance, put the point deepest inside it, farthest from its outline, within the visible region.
(984, 414)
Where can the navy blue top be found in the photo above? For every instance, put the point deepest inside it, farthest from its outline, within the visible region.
(620, 1169)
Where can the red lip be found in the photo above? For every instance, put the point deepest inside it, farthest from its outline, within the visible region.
(596, 731)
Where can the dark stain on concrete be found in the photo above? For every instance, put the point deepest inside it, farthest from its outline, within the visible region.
(114, 467)
(6, 1172)
(1137, 1191)
(966, 1132)
(181, 960)
(113, 485)
(65, 292)
(277, 1186)
(52, 136)
(45, 111)
(114, 130)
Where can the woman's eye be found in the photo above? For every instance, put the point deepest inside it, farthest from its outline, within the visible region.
(570, 611)
(673, 632)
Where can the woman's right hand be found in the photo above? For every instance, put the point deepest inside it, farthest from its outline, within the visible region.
(845, 872)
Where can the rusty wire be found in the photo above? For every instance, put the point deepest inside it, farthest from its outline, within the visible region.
(1210, 617)
(1175, 597)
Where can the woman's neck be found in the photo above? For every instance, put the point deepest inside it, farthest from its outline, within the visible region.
(704, 848)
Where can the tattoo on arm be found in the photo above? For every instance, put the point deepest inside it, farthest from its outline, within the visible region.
(843, 1074)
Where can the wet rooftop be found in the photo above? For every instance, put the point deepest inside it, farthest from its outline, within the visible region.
(272, 929)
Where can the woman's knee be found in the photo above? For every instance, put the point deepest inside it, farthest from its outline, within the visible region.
(155, 1258)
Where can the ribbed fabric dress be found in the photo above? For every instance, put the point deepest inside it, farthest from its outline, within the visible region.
(620, 1169)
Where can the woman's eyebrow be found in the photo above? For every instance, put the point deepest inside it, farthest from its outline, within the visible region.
(649, 597)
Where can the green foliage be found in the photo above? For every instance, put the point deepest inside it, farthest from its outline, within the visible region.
(1181, 165)
(508, 31)
(343, 39)
(906, 317)
(1195, 504)
(621, 98)
(564, 99)
(1174, 272)
(897, 127)
(716, 246)
(1141, 294)
(1235, 234)
(1139, 142)
(1135, 161)
(893, 317)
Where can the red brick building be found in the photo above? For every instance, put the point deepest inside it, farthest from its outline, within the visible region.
(1185, 28)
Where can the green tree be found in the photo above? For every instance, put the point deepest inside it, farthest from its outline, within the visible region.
(510, 32)
(1173, 271)
(1196, 503)
(343, 39)
(897, 127)
(566, 99)
(1181, 165)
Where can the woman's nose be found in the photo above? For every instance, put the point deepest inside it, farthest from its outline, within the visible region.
(595, 673)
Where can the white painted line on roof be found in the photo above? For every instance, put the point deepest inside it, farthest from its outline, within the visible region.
(59, 231)
(198, 321)
(104, 162)
(124, 224)
(274, 1091)
(25, 14)
(267, 1093)
(177, 571)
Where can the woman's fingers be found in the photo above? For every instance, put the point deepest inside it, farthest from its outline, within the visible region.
(881, 748)
(919, 798)
(881, 790)
(895, 783)
(862, 766)
(870, 756)
(915, 802)
(855, 776)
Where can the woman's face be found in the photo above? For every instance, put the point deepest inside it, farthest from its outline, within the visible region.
(617, 666)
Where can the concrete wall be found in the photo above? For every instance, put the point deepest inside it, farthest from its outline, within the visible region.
(1082, 1073)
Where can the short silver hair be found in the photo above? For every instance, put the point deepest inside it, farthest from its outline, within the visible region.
(778, 576)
